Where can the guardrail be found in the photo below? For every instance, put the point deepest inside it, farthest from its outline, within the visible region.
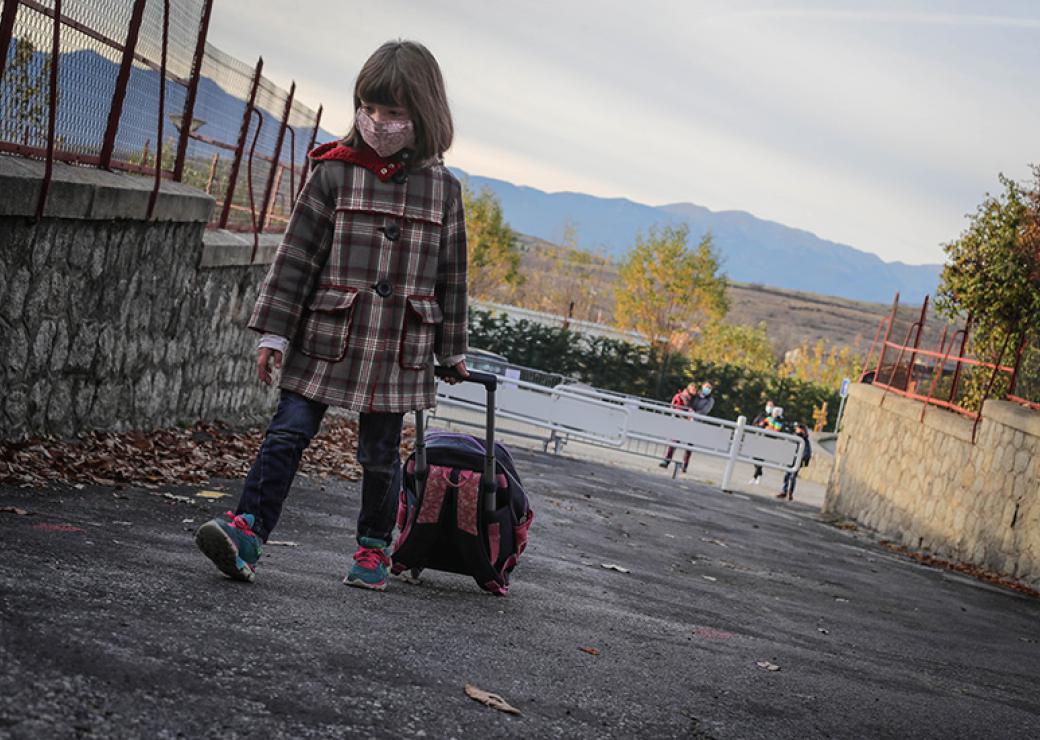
(628, 424)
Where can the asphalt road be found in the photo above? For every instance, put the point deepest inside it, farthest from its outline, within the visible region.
(113, 625)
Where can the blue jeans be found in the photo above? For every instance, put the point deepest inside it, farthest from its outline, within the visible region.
(790, 479)
(295, 423)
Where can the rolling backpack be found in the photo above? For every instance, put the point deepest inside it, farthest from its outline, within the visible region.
(462, 508)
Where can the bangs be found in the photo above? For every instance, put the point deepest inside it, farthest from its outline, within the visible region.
(382, 84)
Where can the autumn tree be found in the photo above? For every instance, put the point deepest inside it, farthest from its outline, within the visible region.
(494, 256)
(993, 274)
(825, 366)
(667, 288)
(734, 344)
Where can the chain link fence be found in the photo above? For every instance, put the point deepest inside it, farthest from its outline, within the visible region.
(133, 85)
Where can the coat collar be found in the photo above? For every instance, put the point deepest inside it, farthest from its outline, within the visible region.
(381, 167)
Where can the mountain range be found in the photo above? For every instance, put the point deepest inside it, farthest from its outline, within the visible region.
(753, 250)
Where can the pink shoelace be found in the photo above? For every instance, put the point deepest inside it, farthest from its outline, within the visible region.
(239, 522)
(370, 557)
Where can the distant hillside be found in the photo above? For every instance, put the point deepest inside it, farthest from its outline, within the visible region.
(791, 317)
(754, 250)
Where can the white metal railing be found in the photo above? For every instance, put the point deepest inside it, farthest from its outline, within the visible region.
(628, 423)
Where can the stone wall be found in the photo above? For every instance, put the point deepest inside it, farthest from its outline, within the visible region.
(112, 321)
(925, 485)
(822, 463)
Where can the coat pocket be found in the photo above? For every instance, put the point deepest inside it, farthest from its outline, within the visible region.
(421, 316)
(326, 327)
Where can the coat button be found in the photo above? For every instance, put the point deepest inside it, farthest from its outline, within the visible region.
(400, 177)
(383, 288)
(391, 231)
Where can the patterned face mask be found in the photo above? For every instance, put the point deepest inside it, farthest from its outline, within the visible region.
(386, 137)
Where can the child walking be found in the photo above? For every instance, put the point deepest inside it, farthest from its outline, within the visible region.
(367, 287)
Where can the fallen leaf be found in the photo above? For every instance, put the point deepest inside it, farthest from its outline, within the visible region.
(840, 599)
(175, 497)
(282, 543)
(58, 528)
(767, 665)
(618, 568)
(710, 578)
(187, 521)
(492, 700)
(13, 510)
(210, 494)
(710, 633)
(714, 541)
(822, 631)
(589, 650)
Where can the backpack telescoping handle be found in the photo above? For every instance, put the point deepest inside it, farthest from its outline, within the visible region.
(487, 480)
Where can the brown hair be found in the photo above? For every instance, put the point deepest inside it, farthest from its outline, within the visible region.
(406, 74)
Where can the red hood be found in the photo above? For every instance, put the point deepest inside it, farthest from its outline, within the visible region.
(382, 168)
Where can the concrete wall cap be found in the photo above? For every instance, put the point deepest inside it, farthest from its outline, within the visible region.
(92, 194)
(222, 248)
(1012, 415)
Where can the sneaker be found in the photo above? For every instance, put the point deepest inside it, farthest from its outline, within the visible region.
(370, 565)
(232, 545)
(781, 495)
(664, 463)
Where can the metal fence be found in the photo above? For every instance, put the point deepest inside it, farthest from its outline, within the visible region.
(133, 85)
(948, 376)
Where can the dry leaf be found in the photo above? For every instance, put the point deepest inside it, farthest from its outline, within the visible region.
(589, 650)
(618, 568)
(714, 541)
(282, 543)
(13, 510)
(767, 665)
(492, 700)
(713, 579)
(210, 494)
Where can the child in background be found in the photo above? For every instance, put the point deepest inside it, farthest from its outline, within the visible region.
(791, 478)
(368, 285)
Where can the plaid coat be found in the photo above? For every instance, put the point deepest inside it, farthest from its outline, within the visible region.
(369, 282)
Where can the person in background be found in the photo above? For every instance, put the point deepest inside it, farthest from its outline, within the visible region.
(691, 398)
(760, 421)
(791, 478)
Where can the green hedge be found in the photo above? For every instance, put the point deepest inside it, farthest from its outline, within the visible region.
(617, 365)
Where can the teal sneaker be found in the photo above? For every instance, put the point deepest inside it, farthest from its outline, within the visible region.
(232, 545)
(370, 565)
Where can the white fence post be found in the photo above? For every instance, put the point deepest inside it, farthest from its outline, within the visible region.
(734, 450)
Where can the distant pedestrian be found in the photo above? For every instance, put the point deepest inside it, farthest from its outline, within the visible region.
(367, 289)
(769, 420)
(691, 398)
(791, 478)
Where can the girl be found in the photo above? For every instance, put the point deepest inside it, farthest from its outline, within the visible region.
(368, 285)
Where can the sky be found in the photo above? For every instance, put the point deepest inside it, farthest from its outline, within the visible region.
(877, 124)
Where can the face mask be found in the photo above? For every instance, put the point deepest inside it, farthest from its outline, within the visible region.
(386, 137)
(705, 391)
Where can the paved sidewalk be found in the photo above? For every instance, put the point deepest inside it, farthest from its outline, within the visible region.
(112, 625)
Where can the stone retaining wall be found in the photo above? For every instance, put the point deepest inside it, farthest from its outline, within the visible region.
(925, 485)
(112, 321)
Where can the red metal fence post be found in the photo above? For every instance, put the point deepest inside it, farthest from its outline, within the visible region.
(917, 344)
(276, 157)
(115, 112)
(310, 148)
(960, 355)
(52, 114)
(989, 386)
(888, 333)
(240, 148)
(6, 31)
(188, 116)
(1018, 361)
(162, 108)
